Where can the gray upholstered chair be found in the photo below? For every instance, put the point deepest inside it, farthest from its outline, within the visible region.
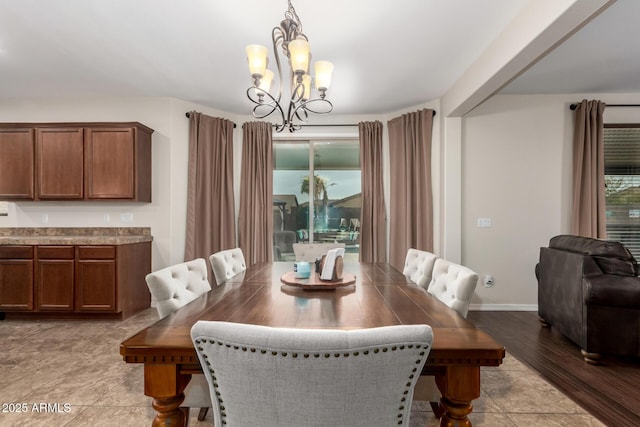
(311, 251)
(454, 285)
(173, 287)
(283, 241)
(311, 377)
(226, 264)
(418, 266)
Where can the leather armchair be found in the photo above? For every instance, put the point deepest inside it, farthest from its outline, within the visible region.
(589, 291)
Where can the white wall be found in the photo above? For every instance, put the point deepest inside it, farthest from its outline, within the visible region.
(516, 157)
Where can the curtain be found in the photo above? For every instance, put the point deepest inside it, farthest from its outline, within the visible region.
(411, 204)
(588, 217)
(255, 221)
(373, 227)
(210, 203)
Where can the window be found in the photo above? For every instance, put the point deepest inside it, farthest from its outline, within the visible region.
(316, 194)
(622, 184)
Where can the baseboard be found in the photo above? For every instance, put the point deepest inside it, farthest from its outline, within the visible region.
(503, 307)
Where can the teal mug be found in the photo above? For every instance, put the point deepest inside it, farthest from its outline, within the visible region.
(302, 269)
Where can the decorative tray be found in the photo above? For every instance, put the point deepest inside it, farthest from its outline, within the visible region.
(314, 282)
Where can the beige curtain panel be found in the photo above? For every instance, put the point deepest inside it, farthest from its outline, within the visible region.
(210, 203)
(411, 203)
(373, 216)
(255, 220)
(588, 217)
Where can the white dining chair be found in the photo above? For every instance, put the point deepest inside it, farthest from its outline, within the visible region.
(454, 285)
(226, 264)
(268, 377)
(174, 287)
(418, 266)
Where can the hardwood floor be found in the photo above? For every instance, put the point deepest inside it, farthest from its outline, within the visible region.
(610, 391)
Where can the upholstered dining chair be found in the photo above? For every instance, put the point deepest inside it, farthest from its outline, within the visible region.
(226, 264)
(418, 266)
(454, 285)
(311, 251)
(311, 377)
(173, 287)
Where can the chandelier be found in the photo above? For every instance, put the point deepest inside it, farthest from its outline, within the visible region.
(288, 40)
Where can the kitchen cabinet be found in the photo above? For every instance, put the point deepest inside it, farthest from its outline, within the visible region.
(67, 281)
(96, 278)
(54, 278)
(75, 161)
(17, 153)
(16, 278)
(59, 163)
(118, 163)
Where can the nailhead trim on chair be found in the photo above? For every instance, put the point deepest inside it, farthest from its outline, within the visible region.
(223, 414)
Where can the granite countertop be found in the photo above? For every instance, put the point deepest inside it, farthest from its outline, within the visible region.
(74, 235)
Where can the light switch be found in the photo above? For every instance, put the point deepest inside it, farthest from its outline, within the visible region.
(126, 217)
(484, 222)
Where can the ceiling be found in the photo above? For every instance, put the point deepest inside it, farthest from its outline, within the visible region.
(388, 55)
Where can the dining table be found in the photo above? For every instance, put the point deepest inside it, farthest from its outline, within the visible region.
(379, 295)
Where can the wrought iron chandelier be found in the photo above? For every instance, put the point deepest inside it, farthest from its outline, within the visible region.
(294, 45)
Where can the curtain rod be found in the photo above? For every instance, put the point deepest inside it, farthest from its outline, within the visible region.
(189, 115)
(351, 124)
(574, 106)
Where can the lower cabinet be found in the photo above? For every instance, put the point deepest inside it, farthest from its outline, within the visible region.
(96, 280)
(54, 281)
(16, 278)
(74, 281)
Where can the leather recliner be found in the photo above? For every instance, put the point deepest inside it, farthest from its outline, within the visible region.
(589, 290)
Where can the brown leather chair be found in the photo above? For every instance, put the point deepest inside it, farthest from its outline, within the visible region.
(589, 291)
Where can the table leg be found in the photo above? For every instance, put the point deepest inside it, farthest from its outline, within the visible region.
(166, 384)
(459, 386)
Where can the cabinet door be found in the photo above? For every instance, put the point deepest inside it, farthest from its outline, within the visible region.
(16, 164)
(109, 163)
(16, 278)
(95, 278)
(55, 268)
(60, 163)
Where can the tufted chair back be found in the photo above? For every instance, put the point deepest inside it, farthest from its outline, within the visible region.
(418, 266)
(177, 285)
(311, 251)
(227, 263)
(320, 377)
(453, 284)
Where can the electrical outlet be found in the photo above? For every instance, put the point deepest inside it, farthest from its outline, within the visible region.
(483, 222)
(488, 281)
(126, 217)
(45, 218)
(106, 218)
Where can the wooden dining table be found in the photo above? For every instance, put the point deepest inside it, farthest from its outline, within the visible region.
(380, 296)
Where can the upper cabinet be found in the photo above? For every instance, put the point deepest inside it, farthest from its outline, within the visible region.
(59, 163)
(75, 161)
(17, 152)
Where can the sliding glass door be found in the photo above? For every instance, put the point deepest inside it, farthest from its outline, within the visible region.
(316, 194)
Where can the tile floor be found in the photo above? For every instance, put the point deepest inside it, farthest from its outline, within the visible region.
(83, 381)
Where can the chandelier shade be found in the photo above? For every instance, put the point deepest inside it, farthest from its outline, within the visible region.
(292, 44)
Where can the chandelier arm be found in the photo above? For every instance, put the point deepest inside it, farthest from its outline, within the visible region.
(272, 106)
(301, 109)
(317, 101)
